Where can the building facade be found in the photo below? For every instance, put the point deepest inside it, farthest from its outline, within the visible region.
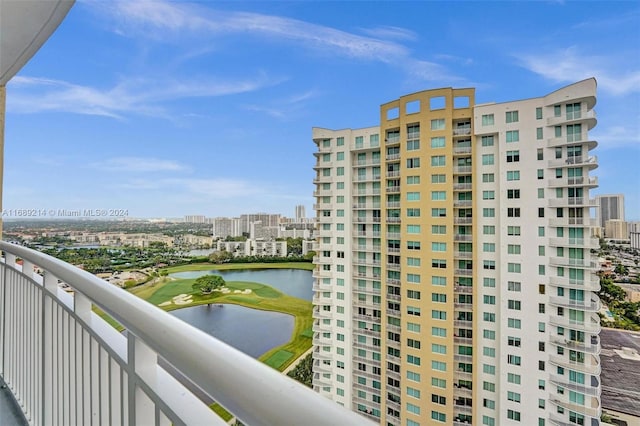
(454, 282)
(610, 207)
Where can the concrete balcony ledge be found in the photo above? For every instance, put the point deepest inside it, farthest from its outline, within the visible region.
(129, 384)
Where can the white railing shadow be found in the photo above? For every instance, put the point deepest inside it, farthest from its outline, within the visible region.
(66, 365)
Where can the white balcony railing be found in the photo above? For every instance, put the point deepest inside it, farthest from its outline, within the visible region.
(66, 365)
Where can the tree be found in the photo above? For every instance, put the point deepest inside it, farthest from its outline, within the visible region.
(207, 283)
(620, 269)
(303, 372)
(220, 256)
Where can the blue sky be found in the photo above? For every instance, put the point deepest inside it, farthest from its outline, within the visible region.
(174, 108)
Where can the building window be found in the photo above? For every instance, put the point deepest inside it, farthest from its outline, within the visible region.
(487, 120)
(511, 116)
(437, 124)
(438, 142)
(488, 177)
(513, 212)
(487, 140)
(438, 195)
(488, 212)
(513, 175)
(487, 159)
(413, 163)
(539, 113)
(513, 193)
(539, 133)
(513, 156)
(439, 178)
(488, 195)
(438, 161)
(513, 136)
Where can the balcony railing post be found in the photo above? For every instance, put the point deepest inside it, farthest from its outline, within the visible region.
(50, 288)
(141, 363)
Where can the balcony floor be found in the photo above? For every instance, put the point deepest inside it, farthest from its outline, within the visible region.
(10, 413)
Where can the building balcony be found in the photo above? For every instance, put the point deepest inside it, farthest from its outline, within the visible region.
(136, 386)
(589, 348)
(393, 157)
(577, 140)
(579, 181)
(591, 323)
(462, 150)
(322, 179)
(568, 262)
(322, 192)
(588, 161)
(463, 289)
(393, 220)
(591, 366)
(463, 237)
(462, 186)
(575, 117)
(591, 305)
(395, 140)
(587, 243)
(463, 324)
(561, 222)
(572, 202)
(593, 411)
(462, 203)
(393, 189)
(393, 173)
(462, 220)
(462, 131)
(463, 255)
(589, 389)
(591, 283)
(463, 272)
(462, 170)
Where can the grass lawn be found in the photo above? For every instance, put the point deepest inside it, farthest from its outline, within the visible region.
(278, 358)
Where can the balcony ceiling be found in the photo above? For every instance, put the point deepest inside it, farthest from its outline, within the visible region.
(24, 27)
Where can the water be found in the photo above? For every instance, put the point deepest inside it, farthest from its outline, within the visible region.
(294, 282)
(251, 331)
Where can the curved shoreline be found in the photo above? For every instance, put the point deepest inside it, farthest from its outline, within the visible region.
(300, 309)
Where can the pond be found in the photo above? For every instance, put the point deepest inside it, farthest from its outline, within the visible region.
(251, 331)
(294, 282)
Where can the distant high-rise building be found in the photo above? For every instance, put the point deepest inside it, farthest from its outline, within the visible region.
(267, 219)
(226, 227)
(195, 219)
(300, 213)
(610, 207)
(454, 279)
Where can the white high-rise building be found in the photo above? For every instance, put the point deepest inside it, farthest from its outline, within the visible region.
(454, 279)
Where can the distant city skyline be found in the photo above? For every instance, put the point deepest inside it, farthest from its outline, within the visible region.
(166, 109)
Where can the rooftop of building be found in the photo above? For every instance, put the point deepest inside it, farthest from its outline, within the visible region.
(620, 371)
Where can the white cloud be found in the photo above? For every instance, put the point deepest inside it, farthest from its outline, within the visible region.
(153, 19)
(617, 136)
(137, 96)
(569, 65)
(390, 32)
(284, 108)
(138, 165)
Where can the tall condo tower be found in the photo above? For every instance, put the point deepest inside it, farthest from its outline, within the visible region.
(454, 280)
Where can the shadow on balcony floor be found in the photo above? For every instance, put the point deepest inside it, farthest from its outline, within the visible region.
(10, 413)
